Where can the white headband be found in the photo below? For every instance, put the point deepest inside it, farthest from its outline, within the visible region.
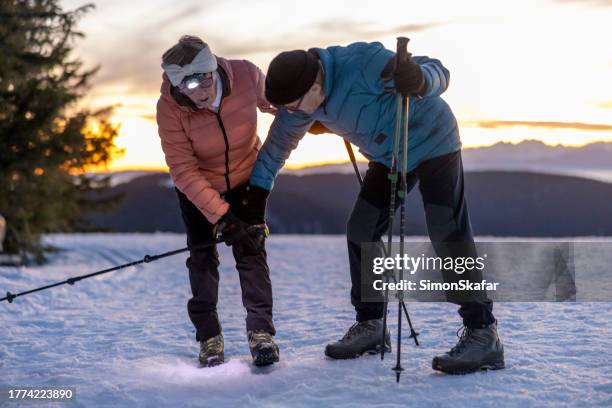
(203, 62)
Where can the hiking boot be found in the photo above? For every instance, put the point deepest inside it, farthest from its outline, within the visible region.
(360, 338)
(211, 351)
(477, 349)
(263, 348)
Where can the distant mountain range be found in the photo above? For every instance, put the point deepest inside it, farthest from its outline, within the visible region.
(591, 161)
(500, 203)
(527, 189)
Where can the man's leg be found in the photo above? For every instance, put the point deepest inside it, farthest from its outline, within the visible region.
(203, 271)
(368, 222)
(448, 223)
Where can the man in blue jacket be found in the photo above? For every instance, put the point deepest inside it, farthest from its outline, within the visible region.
(347, 90)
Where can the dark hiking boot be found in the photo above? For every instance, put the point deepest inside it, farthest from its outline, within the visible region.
(263, 348)
(211, 351)
(362, 337)
(477, 349)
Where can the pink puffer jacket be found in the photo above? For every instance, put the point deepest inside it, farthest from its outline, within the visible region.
(209, 153)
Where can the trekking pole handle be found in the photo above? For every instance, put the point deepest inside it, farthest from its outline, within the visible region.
(402, 54)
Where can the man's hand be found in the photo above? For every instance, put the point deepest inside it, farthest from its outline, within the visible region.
(257, 235)
(252, 208)
(232, 229)
(250, 236)
(407, 76)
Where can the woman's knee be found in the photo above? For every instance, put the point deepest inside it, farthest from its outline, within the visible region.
(202, 259)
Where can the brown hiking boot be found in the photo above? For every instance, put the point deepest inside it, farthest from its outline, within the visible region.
(211, 351)
(477, 349)
(263, 348)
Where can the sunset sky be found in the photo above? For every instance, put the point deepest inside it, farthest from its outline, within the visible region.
(526, 69)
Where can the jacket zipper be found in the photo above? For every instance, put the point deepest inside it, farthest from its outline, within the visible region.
(227, 181)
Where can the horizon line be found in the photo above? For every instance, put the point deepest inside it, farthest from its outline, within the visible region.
(340, 162)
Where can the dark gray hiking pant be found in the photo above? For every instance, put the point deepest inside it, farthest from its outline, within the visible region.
(441, 185)
(204, 274)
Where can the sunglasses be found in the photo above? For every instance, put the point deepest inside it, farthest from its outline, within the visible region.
(195, 81)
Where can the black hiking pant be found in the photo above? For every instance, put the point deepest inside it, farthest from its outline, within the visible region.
(441, 185)
(203, 266)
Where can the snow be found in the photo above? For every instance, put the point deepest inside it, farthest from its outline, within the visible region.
(124, 339)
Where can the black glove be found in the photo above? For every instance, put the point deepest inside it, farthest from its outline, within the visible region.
(235, 231)
(232, 229)
(253, 207)
(408, 77)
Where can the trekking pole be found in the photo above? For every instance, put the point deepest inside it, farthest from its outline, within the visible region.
(402, 55)
(401, 126)
(71, 281)
(393, 178)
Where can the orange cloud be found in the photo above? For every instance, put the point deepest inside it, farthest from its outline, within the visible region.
(495, 124)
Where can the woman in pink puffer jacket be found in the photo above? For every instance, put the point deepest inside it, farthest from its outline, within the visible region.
(207, 120)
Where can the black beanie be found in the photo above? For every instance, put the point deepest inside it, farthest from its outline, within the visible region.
(290, 75)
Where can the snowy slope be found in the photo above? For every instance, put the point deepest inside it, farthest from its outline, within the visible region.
(125, 339)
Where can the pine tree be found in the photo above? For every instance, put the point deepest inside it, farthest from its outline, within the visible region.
(47, 143)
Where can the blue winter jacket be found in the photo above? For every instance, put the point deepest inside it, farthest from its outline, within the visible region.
(357, 108)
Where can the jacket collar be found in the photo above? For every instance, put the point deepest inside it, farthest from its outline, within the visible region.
(328, 69)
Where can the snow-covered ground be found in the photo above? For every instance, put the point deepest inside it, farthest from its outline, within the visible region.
(124, 339)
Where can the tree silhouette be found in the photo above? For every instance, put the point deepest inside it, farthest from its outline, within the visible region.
(47, 143)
